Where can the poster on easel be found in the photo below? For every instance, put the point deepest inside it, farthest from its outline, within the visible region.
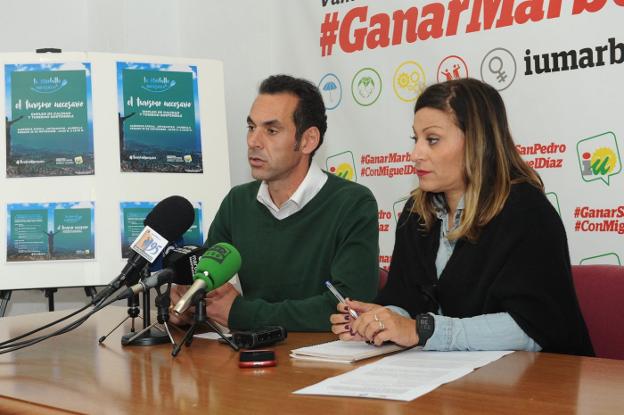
(159, 124)
(50, 231)
(48, 119)
(33, 252)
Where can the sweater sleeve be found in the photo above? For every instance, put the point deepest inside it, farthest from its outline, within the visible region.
(353, 268)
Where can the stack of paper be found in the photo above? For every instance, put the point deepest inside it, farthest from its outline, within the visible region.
(342, 351)
(403, 376)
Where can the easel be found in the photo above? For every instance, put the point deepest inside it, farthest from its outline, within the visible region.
(5, 297)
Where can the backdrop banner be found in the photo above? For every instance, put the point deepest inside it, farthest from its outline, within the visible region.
(558, 66)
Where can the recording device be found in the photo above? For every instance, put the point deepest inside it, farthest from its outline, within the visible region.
(169, 219)
(216, 266)
(259, 338)
(183, 261)
(257, 358)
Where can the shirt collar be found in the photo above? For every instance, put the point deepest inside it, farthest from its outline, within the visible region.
(309, 187)
(439, 204)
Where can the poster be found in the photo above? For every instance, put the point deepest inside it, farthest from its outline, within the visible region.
(49, 120)
(50, 231)
(133, 214)
(159, 126)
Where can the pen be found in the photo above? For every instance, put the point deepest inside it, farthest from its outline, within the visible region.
(340, 298)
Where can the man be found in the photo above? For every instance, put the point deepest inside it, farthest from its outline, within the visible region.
(295, 226)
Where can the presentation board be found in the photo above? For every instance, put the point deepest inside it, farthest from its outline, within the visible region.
(92, 142)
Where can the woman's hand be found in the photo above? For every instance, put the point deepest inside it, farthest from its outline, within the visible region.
(381, 324)
(342, 323)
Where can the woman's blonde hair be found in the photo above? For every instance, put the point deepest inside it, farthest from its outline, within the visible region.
(491, 161)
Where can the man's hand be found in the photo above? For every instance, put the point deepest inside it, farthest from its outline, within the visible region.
(219, 302)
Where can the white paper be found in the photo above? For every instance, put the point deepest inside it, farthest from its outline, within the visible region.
(210, 335)
(342, 351)
(403, 376)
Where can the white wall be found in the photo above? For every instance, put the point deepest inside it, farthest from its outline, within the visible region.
(237, 33)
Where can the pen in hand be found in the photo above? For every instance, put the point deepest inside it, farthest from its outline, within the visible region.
(340, 298)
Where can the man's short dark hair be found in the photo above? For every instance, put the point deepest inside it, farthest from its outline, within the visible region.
(310, 111)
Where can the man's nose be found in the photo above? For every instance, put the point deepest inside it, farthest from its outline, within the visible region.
(253, 139)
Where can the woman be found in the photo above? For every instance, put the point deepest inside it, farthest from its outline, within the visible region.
(480, 259)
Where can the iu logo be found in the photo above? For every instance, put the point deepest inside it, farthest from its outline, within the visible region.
(342, 165)
(599, 157)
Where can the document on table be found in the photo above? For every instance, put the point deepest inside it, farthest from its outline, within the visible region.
(339, 351)
(210, 335)
(404, 376)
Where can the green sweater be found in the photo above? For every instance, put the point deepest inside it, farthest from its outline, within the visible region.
(286, 262)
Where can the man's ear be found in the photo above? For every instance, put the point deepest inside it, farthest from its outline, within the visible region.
(310, 140)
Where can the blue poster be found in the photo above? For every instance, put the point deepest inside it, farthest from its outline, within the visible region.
(49, 120)
(159, 125)
(50, 231)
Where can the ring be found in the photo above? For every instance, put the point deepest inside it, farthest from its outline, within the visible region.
(375, 317)
(381, 325)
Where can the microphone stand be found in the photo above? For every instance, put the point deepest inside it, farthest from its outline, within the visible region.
(133, 312)
(150, 334)
(147, 336)
(200, 318)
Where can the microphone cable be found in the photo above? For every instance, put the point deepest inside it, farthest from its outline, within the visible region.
(5, 342)
(30, 342)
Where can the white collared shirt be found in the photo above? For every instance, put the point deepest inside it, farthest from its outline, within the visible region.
(309, 187)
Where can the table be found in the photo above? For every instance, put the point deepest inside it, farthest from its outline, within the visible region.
(72, 373)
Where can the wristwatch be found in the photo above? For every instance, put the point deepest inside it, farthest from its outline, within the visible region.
(425, 324)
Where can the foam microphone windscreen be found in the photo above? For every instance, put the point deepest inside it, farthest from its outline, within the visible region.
(171, 217)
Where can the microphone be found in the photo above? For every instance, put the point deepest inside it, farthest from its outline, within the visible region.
(167, 221)
(158, 263)
(184, 262)
(216, 266)
(157, 279)
(180, 264)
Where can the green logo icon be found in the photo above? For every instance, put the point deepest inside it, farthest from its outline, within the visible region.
(366, 86)
(397, 207)
(610, 258)
(554, 200)
(599, 157)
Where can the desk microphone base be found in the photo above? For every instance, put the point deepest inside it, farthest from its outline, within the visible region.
(149, 338)
(200, 319)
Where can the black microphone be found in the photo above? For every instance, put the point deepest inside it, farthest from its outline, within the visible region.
(170, 218)
(184, 262)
